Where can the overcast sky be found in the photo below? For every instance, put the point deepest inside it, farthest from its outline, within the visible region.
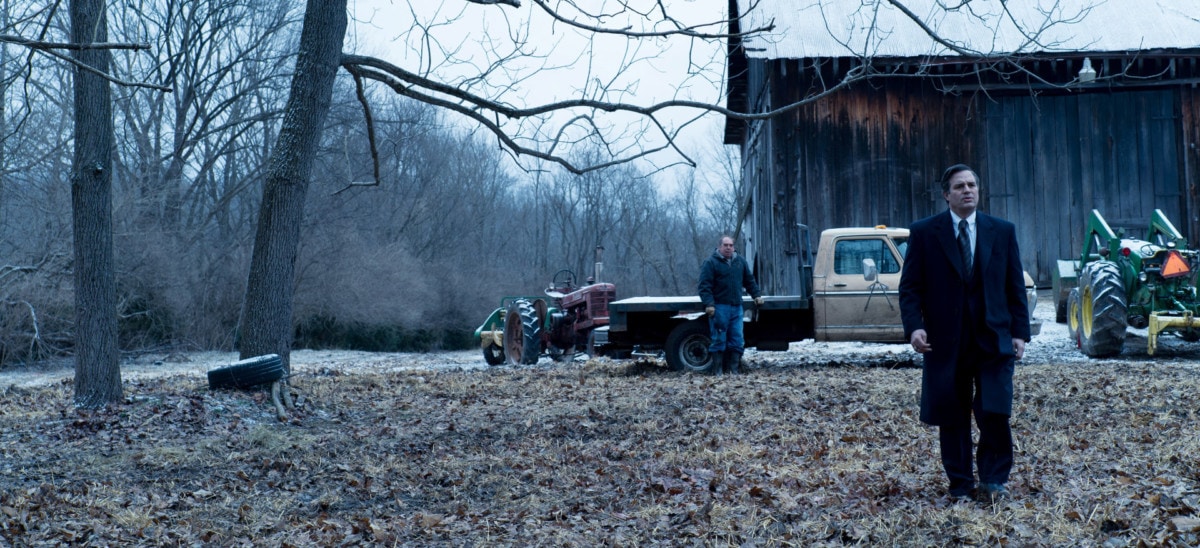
(463, 38)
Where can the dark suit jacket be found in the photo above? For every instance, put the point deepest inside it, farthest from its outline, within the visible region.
(933, 293)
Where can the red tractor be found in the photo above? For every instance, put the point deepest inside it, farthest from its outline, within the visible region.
(524, 327)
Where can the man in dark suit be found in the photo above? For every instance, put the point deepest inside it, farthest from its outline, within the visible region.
(962, 299)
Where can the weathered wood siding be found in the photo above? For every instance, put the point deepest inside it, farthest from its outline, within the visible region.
(1049, 161)
(872, 155)
(1189, 153)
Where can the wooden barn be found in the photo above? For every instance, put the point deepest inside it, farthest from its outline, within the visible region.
(1059, 108)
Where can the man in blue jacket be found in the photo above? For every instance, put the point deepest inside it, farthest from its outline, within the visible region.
(962, 300)
(722, 277)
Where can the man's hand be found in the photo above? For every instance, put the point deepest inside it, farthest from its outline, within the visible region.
(1018, 347)
(758, 301)
(920, 341)
(710, 310)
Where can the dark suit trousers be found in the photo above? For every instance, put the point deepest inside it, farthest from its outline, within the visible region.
(994, 455)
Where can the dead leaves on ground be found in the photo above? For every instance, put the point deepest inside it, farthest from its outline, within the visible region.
(623, 454)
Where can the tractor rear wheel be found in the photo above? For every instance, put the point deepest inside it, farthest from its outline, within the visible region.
(687, 347)
(1103, 310)
(1073, 315)
(522, 333)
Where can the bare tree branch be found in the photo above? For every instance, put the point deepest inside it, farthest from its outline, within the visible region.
(550, 130)
(101, 74)
(366, 106)
(42, 45)
(676, 28)
(513, 3)
(473, 106)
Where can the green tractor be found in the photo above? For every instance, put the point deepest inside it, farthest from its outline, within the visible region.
(1119, 282)
(558, 324)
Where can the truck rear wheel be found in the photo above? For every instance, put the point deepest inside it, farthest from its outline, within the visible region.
(1073, 319)
(522, 333)
(687, 347)
(1102, 314)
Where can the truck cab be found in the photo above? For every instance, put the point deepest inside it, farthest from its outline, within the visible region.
(856, 278)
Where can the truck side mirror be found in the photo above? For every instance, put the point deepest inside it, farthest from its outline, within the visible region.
(870, 271)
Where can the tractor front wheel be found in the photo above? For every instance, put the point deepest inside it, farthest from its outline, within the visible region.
(1103, 310)
(561, 354)
(1074, 308)
(522, 333)
(493, 354)
(591, 344)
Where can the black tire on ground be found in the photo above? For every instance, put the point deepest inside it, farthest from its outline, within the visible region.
(248, 373)
(1074, 308)
(1061, 306)
(493, 354)
(1102, 310)
(687, 347)
(522, 333)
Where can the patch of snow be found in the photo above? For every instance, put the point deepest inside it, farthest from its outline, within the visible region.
(198, 364)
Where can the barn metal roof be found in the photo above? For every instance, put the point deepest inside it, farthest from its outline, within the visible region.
(972, 28)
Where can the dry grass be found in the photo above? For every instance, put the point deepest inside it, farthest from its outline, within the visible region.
(603, 453)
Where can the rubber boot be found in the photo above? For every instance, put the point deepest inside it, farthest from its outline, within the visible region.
(733, 362)
(718, 359)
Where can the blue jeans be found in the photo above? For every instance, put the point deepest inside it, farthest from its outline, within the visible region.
(725, 328)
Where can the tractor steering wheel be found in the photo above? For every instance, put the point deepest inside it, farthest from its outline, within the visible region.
(563, 280)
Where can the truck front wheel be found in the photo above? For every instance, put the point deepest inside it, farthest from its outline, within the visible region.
(687, 347)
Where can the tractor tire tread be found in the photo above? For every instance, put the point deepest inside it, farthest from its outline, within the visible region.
(1102, 285)
(531, 331)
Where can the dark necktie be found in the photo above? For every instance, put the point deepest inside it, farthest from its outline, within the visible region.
(964, 244)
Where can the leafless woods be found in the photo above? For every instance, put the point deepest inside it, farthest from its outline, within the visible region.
(451, 227)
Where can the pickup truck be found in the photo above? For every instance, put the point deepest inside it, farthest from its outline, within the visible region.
(849, 292)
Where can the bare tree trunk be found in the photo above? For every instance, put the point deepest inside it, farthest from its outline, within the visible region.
(97, 370)
(266, 321)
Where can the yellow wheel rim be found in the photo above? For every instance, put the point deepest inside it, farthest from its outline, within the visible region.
(1085, 317)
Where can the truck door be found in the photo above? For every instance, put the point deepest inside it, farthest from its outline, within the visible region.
(850, 307)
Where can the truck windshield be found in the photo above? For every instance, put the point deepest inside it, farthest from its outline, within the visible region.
(901, 246)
